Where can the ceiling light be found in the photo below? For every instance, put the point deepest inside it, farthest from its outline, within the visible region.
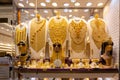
(89, 4)
(91, 17)
(70, 15)
(73, 1)
(43, 4)
(45, 11)
(75, 10)
(65, 10)
(20, 4)
(26, 11)
(47, 1)
(27, 1)
(66, 4)
(31, 4)
(96, 10)
(7, 29)
(70, 10)
(32, 15)
(77, 4)
(100, 4)
(21, 0)
(48, 17)
(55, 11)
(2, 27)
(35, 11)
(54, 4)
(82, 17)
(86, 10)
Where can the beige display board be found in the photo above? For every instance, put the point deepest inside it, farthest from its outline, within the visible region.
(37, 36)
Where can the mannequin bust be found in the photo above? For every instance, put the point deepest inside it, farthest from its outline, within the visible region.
(23, 52)
(38, 17)
(98, 33)
(106, 54)
(57, 14)
(20, 33)
(98, 25)
(37, 36)
(57, 29)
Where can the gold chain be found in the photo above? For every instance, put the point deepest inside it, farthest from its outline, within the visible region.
(20, 34)
(77, 28)
(34, 34)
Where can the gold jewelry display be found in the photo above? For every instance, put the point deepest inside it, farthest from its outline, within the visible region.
(78, 34)
(86, 63)
(59, 55)
(75, 63)
(98, 31)
(20, 33)
(58, 29)
(37, 34)
(94, 63)
(78, 48)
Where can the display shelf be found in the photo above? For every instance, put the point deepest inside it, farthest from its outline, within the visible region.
(66, 73)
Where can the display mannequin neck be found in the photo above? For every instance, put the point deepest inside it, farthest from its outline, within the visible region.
(58, 15)
(97, 21)
(38, 17)
(21, 25)
(96, 16)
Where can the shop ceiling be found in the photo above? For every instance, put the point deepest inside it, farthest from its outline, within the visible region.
(48, 4)
(68, 8)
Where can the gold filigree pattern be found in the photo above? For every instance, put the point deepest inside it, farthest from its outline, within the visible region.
(37, 34)
(78, 34)
(98, 32)
(77, 31)
(58, 30)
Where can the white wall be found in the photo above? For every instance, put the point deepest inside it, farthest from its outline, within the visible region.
(112, 18)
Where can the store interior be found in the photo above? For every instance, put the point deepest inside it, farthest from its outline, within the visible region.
(58, 39)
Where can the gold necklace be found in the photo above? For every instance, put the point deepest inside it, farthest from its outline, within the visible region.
(37, 35)
(78, 48)
(78, 34)
(77, 31)
(58, 30)
(98, 32)
(20, 34)
(38, 30)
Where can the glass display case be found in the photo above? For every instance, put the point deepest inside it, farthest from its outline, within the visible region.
(65, 39)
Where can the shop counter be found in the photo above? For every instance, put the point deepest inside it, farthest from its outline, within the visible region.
(66, 73)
